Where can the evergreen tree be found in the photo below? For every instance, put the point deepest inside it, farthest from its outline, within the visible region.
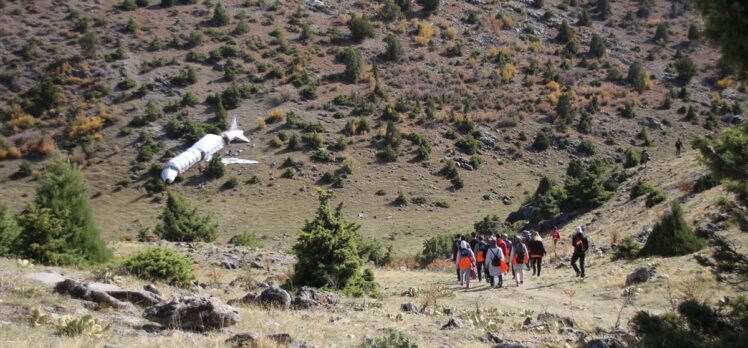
(222, 116)
(727, 158)
(215, 169)
(390, 11)
(9, 231)
(597, 46)
(725, 25)
(404, 5)
(429, 6)
(58, 228)
(182, 223)
(326, 249)
(686, 69)
(585, 124)
(603, 9)
(220, 16)
(637, 76)
(672, 236)
(584, 18)
(694, 34)
(547, 199)
(565, 108)
(565, 34)
(584, 185)
(662, 34)
(353, 64)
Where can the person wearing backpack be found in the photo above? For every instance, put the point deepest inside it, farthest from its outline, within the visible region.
(580, 244)
(465, 262)
(480, 256)
(455, 250)
(518, 257)
(537, 251)
(508, 250)
(495, 264)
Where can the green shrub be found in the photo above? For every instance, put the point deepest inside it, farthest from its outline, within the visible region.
(126, 84)
(24, 170)
(597, 46)
(288, 173)
(246, 239)
(393, 340)
(627, 249)
(637, 76)
(326, 250)
(360, 28)
(254, 180)
(322, 155)
(655, 197)
(686, 69)
(542, 141)
(182, 223)
(161, 264)
(468, 144)
(231, 183)
(565, 109)
(640, 188)
(547, 200)
(586, 147)
(632, 158)
(401, 199)
(475, 161)
(584, 185)
(704, 183)
(418, 200)
(441, 204)
(9, 232)
(435, 248)
(58, 227)
(388, 154)
(215, 169)
(672, 236)
(394, 48)
(565, 34)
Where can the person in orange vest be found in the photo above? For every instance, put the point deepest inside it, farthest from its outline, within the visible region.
(580, 244)
(495, 264)
(518, 257)
(480, 256)
(455, 250)
(465, 262)
(537, 251)
(556, 236)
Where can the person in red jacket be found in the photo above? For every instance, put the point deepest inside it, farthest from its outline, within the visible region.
(556, 236)
(537, 251)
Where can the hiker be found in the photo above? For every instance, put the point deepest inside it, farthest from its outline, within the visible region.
(678, 146)
(580, 244)
(556, 236)
(508, 250)
(495, 264)
(518, 257)
(465, 263)
(645, 158)
(473, 241)
(480, 256)
(455, 249)
(537, 251)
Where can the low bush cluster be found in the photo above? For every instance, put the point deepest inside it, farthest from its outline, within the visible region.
(161, 264)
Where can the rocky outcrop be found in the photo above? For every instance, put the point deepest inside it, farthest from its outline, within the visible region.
(106, 294)
(274, 296)
(605, 343)
(193, 313)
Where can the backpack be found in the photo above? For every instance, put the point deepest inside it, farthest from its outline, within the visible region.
(495, 260)
(480, 255)
(464, 252)
(519, 253)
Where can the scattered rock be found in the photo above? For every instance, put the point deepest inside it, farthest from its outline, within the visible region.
(409, 307)
(229, 264)
(569, 331)
(506, 200)
(245, 339)
(527, 321)
(310, 297)
(640, 275)
(281, 338)
(193, 313)
(275, 296)
(256, 265)
(551, 317)
(247, 299)
(509, 345)
(493, 338)
(605, 343)
(453, 323)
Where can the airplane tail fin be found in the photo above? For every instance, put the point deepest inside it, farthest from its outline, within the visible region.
(234, 133)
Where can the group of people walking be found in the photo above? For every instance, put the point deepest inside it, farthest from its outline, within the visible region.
(493, 257)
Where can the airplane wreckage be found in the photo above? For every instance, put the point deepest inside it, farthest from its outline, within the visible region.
(203, 150)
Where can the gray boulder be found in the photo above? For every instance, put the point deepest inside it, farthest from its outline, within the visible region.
(248, 339)
(310, 297)
(608, 342)
(640, 275)
(552, 317)
(275, 297)
(193, 313)
(409, 307)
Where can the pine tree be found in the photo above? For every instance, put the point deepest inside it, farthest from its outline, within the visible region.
(584, 185)
(353, 64)
(603, 8)
(597, 46)
(182, 223)
(584, 18)
(672, 236)
(662, 34)
(727, 159)
(637, 76)
(565, 34)
(565, 108)
(222, 116)
(62, 204)
(326, 249)
(429, 6)
(360, 28)
(215, 169)
(220, 16)
(394, 51)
